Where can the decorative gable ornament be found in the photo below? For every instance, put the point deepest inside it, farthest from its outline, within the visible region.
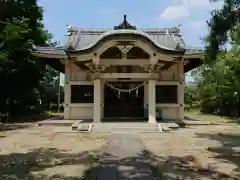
(124, 25)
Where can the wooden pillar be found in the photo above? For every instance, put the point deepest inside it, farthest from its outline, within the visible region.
(97, 101)
(152, 101)
(181, 89)
(102, 99)
(67, 90)
(145, 94)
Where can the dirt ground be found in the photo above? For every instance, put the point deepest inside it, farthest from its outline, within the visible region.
(41, 153)
(199, 152)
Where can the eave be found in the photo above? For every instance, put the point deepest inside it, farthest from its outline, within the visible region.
(53, 57)
(192, 61)
(54, 63)
(49, 56)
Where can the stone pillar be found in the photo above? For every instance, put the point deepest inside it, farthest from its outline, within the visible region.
(152, 101)
(97, 101)
(181, 89)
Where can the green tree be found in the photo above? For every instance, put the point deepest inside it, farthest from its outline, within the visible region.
(219, 84)
(224, 25)
(20, 27)
(190, 96)
(218, 78)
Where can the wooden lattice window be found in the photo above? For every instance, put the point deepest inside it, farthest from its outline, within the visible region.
(82, 93)
(166, 94)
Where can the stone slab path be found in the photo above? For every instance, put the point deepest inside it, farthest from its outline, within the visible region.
(124, 159)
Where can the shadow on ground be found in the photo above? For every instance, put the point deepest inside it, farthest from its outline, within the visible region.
(32, 118)
(187, 167)
(162, 168)
(190, 118)
(11, 127)
(24, 122)
(229, 150)
(23, 165)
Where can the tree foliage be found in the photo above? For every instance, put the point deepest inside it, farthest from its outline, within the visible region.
(219, 84)
(191, 96)
(218, 79)
(20, 27)
(224, 25)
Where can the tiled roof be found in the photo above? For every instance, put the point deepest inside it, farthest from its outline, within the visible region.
(61, 51)
(83, 39)
(194, 50)
(50, 50)
(164, 38)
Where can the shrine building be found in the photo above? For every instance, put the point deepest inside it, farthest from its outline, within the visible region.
(123, 73)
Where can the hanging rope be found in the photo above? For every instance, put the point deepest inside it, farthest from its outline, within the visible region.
(124, 90)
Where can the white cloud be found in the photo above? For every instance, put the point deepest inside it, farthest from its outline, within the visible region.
(174, 12)
(181, 8)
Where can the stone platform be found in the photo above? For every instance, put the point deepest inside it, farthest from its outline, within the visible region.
(117, 127)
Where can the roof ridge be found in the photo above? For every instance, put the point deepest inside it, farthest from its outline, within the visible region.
(149, 30)
(93, 29)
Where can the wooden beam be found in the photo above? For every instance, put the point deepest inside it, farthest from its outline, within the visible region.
(79, 83)
(159, 57)
(130, 62)
(83, 57)
(126, 75)
(50, 56)
(167, 57)
(122, 62)
(193, 56)
(166, 66)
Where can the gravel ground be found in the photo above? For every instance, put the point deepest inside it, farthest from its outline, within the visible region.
(124, 159)
(41, 153)
(200, 152)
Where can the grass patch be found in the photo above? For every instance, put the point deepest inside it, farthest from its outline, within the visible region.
(195, 114)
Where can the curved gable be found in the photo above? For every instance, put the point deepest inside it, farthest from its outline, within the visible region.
(162, 39)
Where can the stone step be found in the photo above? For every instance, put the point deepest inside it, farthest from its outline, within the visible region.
(165, 127)
(169, 126)
(55, 122)
(76, 126)
(125, 128)
(123, 131)
(83, 128)
(173, 125)
(124, 125)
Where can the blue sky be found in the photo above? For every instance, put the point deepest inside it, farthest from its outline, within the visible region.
(191, 14)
